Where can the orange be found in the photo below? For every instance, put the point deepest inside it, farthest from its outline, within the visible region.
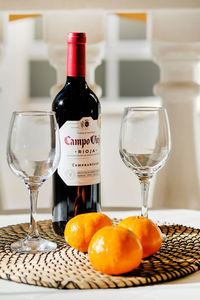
(115, 250)
(147, 231)
(80, 229)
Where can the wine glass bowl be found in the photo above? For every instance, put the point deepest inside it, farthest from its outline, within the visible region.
(30, 153)
(145, 144)
(33, 153)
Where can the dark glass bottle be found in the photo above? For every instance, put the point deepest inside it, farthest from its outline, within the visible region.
(76, 183)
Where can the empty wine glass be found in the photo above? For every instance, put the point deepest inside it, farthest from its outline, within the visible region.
(145, 144)
(33, 154)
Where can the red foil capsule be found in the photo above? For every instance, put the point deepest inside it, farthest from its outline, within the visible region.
(76, 54)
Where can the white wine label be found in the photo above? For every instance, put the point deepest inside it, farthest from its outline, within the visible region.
(80, 152)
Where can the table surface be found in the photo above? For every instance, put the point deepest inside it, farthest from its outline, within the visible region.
(186, 288)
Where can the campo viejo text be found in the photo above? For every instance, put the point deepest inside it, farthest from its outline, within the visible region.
(82, 142)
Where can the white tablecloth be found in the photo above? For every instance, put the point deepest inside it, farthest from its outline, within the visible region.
(185, 288)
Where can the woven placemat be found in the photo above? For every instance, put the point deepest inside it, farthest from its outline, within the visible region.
(67, 268)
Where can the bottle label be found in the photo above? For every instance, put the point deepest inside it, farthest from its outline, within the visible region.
(80, 152)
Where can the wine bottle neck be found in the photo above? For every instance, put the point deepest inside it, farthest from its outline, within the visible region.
(76, 79)
(76, 60)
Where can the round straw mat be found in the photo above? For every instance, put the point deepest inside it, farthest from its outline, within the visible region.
(67, 268)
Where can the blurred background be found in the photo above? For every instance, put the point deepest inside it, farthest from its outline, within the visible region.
(126, 75)
(132, 68)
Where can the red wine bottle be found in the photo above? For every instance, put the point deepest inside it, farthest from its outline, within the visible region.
(76, 183)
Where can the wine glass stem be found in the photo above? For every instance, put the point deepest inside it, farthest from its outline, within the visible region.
(144, 184)
(33, 190)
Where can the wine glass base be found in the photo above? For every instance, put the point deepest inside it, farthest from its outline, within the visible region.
(33, 245)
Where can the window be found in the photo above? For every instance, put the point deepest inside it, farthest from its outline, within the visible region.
(127, 71)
